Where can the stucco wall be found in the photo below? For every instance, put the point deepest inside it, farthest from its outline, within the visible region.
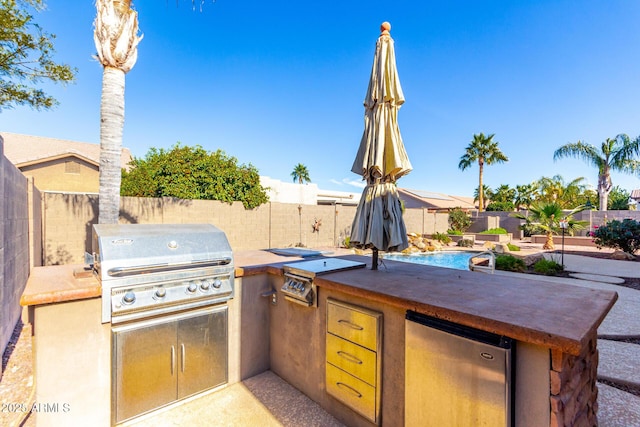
(14, 244)
(68, 219)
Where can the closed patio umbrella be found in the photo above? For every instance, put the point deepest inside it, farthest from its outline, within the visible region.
(381, 158)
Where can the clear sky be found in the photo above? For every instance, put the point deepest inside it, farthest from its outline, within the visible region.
(280, 82)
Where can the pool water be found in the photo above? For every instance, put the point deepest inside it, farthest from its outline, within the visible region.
(458, 260)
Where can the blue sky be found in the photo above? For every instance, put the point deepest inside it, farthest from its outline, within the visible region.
(276, 83)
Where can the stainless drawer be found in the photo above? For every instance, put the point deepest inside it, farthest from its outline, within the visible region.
(356, 360)
(358, 395)
(353, 323)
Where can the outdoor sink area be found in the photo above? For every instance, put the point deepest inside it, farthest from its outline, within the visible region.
(275, 342)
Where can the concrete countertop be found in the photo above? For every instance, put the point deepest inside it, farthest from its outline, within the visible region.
(556, 316)
(59, 283)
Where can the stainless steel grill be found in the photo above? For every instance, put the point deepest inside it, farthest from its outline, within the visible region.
(148, 270)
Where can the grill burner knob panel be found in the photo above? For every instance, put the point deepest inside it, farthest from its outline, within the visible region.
(128, 298)
(192, 288)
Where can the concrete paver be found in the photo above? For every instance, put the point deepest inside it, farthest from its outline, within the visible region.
(619, 362)
(598, 278)
(617, 408)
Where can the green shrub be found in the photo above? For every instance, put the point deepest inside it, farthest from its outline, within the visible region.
(509, 263)
(547, 267)
(513, 247)
(441, 237)
(455, 232)
(465, 243)
(623, 235)
(459, 220)
(500, 207)
(498, 230)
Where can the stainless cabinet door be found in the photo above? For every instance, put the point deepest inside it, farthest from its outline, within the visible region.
(202, 347)
(144, 371)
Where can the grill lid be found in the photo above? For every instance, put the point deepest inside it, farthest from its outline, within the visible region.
(132, 249)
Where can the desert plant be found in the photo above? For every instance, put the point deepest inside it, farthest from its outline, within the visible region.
(547, 267)
(441, 237)
(465, 243)
(498, 230)
(513, 247)
(509, 263)
(459, 220)
(623, 235)
(548, 217)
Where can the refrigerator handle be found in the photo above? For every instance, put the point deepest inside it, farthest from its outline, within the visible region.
(173, 358)
(183, 353)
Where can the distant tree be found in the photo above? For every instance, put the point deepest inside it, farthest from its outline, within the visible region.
(26, 57)
(547, 217)
(193, 173)
(618, 199)
(487, 193)
(614, 155)
(525, 195)
(300, 173)
(555, 190)
(482, 150)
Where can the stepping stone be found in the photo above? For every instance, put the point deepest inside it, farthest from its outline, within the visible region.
(619, 362)
(598, 278)
(617, 408)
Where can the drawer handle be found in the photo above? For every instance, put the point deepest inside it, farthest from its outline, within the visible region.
(351, 325)
(350, 389)
(349, 357)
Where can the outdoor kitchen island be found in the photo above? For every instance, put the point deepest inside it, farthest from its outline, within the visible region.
(554, 328)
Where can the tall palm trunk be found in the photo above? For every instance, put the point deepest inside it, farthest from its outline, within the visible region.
(604, 188)
(111, 126)
(116, 39)
(480, 186)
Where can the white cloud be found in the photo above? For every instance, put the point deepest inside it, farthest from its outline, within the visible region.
(359, 183)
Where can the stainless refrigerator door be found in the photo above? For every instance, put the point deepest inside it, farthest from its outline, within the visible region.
(202, 345)
(454, 381)
(145, 376)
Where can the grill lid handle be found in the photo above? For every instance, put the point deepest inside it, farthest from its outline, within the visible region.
(159, 268)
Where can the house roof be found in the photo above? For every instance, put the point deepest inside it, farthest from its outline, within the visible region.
(26, 150)
(635, 194)
(433, 200)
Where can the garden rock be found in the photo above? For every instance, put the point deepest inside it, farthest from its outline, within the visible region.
(623, 256)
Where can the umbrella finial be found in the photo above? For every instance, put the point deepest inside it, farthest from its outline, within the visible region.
(384, 28)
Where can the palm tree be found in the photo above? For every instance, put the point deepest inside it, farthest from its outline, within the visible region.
(482, 150)
(556, 190)
(116, 39)
(487, 194)
(525, 195)
(300, 173)
(547, 217)
(614, 155)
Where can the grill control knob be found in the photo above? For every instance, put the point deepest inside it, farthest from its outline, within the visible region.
(217, 283)
(193, 286)
(161, 292)
(205, 285)
(129, 297)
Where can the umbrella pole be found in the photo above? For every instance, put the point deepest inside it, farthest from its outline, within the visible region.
(374, 263)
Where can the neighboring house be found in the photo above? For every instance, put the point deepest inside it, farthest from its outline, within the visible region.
(306, 194)
(57, 164)
(437, 202)
(634, 199)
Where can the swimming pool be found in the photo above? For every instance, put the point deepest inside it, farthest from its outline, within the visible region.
(458, 260)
